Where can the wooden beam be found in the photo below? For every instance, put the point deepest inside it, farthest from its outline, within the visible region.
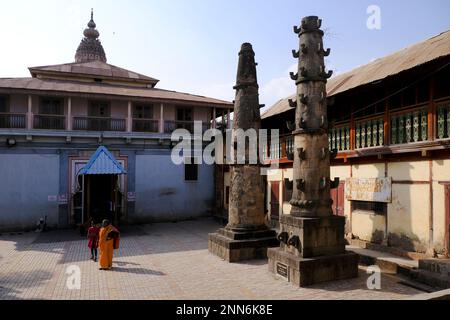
(352, 130)
(129, 118)
(69, 114)
(161, 118)
(431, 111)
(387, 124)
(30, 112)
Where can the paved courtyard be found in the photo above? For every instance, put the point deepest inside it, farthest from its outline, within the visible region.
(159, 261)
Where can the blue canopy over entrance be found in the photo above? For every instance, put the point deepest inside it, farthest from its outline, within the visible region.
(102, 162)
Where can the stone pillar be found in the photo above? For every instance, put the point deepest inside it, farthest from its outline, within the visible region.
(246, 236)
(312, 248)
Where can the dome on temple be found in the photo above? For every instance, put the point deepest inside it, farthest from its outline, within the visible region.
(90, 48)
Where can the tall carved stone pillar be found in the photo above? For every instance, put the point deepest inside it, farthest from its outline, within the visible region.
(312, 240)
(246, 236)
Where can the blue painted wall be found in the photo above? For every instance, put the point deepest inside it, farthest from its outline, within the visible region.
(26, 181)
(163, 195)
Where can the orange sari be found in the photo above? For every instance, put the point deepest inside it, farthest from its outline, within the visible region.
(106, 248)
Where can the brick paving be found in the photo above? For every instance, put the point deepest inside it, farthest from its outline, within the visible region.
(159, 261)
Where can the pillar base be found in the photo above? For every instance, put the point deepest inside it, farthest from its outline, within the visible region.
(304, 272)
(235, 246)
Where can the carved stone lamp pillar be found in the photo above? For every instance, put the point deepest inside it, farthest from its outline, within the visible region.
(312, 245)
(246, 236)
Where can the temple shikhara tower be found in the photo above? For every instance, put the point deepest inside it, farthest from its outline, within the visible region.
(90, 48)
(312, 240)
(246, 236)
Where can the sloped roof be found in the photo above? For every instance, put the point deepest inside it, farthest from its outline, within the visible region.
(76, 87)
(102, 162)
(97, 69)
(405, 59)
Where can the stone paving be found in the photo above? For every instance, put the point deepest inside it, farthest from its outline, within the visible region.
(159, 261)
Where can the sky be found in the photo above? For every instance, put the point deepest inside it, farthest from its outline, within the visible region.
(192, 45)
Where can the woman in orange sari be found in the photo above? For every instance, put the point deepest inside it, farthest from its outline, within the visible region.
(107, 239)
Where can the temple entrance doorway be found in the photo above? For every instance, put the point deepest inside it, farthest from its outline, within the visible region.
(103, 197)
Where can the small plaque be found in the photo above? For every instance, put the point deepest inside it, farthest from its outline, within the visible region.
(131, 197)
(283, 270)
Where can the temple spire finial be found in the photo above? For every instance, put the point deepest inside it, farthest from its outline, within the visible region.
(90, 48)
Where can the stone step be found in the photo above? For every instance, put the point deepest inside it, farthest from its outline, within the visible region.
(438, 266)
(388, 263)
(407, 281)
(430, 278)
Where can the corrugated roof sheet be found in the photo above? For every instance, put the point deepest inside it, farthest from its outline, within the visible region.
(102, 162)
(405, 59)
(107, 89)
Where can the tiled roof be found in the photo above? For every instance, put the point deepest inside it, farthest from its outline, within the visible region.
(405, 59)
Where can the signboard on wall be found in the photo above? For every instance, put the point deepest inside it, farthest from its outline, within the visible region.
(369, 189)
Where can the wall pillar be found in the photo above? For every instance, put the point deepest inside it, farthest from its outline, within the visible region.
(30, 113)
(69, 114)
(214, 118)
(161, 119)
(129, 118)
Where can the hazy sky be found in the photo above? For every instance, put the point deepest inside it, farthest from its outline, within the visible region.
(192, 45)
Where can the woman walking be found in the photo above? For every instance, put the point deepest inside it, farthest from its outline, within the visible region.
(93, 237)
(108, 241)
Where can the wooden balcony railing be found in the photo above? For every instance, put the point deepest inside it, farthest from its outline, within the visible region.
(13, 121)
(369, 133)
(171, 126)
(99, 124)
(443, 121)
(49, 122)
(410, 126)
(339, 138)
(145, 125)
(282, 149)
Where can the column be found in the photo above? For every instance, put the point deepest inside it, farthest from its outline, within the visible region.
(214, 118)
(129, 118)
(161, 119)
(69, 114)
(30, 113)
(228, 120)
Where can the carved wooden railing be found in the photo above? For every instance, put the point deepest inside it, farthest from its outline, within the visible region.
(369, 133)
(99, 124)
(13, 120)
(443, 121)
(170, 126)
(339, 138)
(409, 126)
(145, 125)
(49, 122)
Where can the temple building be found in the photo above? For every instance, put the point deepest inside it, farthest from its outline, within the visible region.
(389, 121)
(89, 140)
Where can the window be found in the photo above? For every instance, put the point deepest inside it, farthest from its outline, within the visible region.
(51, 106)
(184, 114)
(191, 170)
(143, 112)
(99, 109)
(287, 192)
(370, 207)
(3, 105)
